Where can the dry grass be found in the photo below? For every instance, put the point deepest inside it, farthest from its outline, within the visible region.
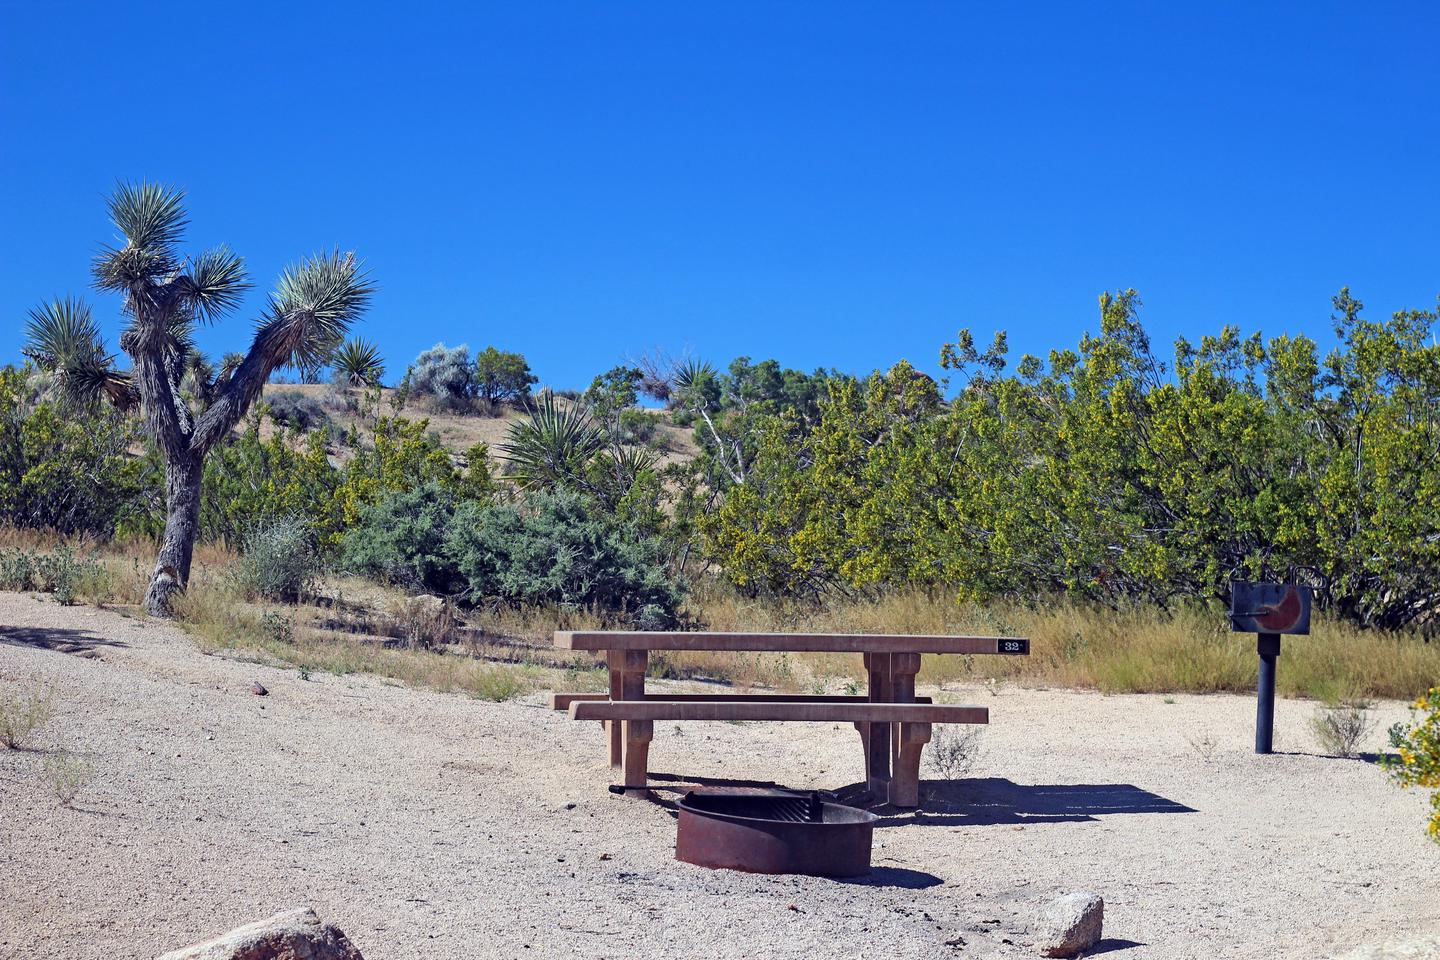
(315, 640)
(1075, 645)
(356, 625)
(124, 565)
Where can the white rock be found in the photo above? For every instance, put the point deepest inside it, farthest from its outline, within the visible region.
(1070, 924)
(295, 935)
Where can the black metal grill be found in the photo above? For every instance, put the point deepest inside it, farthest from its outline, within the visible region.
(786, 808)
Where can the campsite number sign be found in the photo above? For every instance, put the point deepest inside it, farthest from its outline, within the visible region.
(1268, 610)
(1018, 646)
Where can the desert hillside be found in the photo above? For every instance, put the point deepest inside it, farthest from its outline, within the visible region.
(458, 432)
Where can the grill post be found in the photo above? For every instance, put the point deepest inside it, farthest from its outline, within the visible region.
(1268, 610)
(1268, 646)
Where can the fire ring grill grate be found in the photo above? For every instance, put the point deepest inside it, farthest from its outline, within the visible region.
(774, 832)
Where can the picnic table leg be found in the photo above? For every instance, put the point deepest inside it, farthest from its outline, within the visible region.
(905, 787)
(907, 740)
(638, 734)
(903, 668)
(627, 682)
(864, 730)
(877, 735)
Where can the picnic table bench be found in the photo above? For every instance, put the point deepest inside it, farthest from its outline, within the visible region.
(894, 724)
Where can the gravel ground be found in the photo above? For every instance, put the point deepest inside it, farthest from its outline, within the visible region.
(427, 825)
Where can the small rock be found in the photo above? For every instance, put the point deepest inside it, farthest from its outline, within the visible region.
(296, 934)
(258, 688)
(1070, 924)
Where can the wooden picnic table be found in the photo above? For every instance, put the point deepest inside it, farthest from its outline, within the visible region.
(891, 664)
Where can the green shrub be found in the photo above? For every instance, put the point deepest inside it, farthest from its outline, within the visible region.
(401, 540)
(638, 426)
(1417, 745)
(62, 574)
(556, 548)
(502, 377)
(17, 570)
(279, 561)
(277, 628)
(250, 481)
(72, 469)
(59, 573)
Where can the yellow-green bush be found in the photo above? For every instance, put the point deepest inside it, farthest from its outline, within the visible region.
(1418, 747)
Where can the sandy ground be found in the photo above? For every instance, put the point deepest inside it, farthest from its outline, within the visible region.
(436, 826)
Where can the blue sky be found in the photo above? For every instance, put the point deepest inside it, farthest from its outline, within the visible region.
(829, 184)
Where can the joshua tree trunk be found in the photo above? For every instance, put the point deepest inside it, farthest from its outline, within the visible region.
(182, 523)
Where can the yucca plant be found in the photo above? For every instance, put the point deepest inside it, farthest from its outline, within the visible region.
(552, 447)
(62, 339)
(691, 372)
(165, 296)
(357, 363)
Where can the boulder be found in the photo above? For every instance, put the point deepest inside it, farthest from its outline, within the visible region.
(1427, 948)
(1069, 924)
(295, 935)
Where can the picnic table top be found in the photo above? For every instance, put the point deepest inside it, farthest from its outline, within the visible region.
(787, 642)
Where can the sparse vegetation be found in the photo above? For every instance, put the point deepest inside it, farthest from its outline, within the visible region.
(278, 561)
(277, 628)
(21, 715)
(1203, 744)
(423, 622)
(1139, 650)
(954, 750)
(497, 684)
(67, 774)
(1340, 728)
(295, 410)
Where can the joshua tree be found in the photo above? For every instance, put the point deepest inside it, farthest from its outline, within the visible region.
(165, 296)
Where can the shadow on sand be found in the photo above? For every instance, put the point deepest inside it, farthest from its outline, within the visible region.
(60, 639)
(990, 801)
(985, 801)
